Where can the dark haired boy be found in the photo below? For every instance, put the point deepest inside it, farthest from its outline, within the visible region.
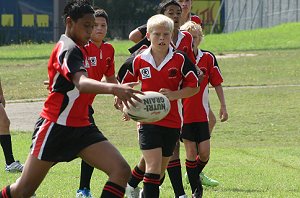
(101, 64)
(63, 131)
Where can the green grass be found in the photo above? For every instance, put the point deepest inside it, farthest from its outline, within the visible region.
(254, 154)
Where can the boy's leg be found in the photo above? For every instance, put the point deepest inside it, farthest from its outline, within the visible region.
(153, 160)
(109, 160)
(174, 172)
(137, 175)
(5, 141)
(85, 179)
(32, 176)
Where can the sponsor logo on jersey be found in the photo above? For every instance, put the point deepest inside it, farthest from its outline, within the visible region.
(145, 72)
(93, 60)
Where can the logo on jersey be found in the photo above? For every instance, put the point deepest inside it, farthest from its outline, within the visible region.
(145, 72)
(172, 72)
(93, 60)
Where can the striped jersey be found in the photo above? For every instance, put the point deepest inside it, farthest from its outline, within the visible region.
(196, 108)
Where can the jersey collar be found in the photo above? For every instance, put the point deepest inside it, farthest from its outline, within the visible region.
(147, 56)
(199, 55)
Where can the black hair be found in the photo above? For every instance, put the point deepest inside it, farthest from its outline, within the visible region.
(101, 13)
(162, 7)
(75, 9)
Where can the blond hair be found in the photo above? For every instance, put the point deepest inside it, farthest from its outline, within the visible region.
(159, 20)
(192, 26)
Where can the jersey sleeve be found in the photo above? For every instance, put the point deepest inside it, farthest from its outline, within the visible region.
(189, 72)
(126, 71)
(110, 63)
(215, 76)
(72, 62)
(143, 29)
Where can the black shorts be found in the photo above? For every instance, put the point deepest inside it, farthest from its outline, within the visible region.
(195, 132)
(57, 143)
(154, 136)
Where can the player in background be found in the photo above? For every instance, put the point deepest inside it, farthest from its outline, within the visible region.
(160, 68)
(181, 40)
(11, 165)
(195, 131)
(100, 64)
(63, 131)
(187, 15)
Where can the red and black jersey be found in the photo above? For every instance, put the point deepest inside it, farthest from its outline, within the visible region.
(196, 19)
(196, 107)
(176, 71)
(64, 104)
(101, 61)
(185, 43)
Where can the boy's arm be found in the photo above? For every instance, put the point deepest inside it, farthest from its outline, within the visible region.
(223, 115)
(185, 92)
(87, 85)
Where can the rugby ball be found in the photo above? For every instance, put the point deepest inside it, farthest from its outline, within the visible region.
(154, 107)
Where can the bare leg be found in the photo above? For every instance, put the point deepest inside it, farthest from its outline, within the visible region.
(212, 120)
(104, 156)
(32, 176)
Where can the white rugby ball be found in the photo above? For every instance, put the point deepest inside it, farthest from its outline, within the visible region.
(154, 107)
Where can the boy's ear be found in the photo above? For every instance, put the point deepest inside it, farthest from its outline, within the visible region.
(148, 36)
(69, 21)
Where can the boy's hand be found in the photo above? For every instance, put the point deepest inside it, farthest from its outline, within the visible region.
(168, 93)
(223, 114)
(126, 94)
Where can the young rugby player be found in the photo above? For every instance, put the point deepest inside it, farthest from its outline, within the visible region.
(63, 131)
(195, 131)
(100, 64)
(181, 40)
(5, 139)
(187, 15)
(160, 68)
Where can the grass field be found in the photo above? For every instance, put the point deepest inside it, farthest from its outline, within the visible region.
(254, 154)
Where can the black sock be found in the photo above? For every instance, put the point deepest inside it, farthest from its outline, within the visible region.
(151, 185)
(137, 176)
(193, 174)
(175, 175)
(5, 141)
(112, 190)
(200, 164)
(85, 175)
(5, 192)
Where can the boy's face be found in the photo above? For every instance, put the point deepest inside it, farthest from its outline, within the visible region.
(100, 29)
(160, 38)
(196, 38)
(81, 30)
(186, 5)
(174, 13)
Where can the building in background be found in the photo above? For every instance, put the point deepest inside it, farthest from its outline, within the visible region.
(26, 20)
(41, 21)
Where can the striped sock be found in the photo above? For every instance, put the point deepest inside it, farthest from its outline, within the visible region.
(151, 185)
(175, 175)
(193, 174)
(137, 176)
(112, 190)
(5, 192)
